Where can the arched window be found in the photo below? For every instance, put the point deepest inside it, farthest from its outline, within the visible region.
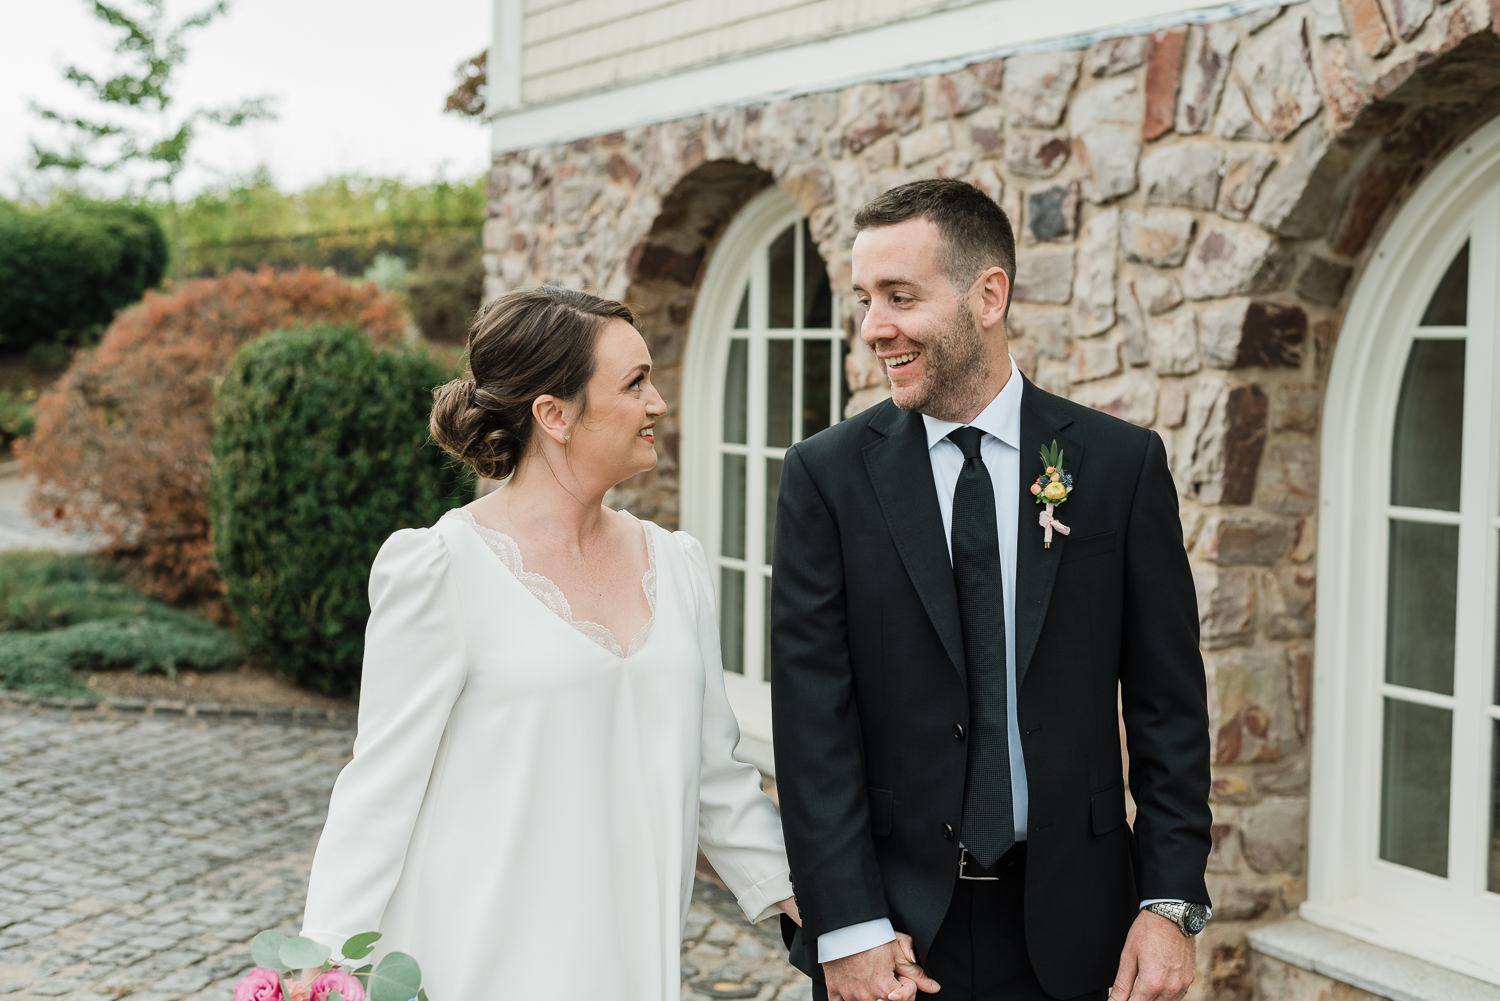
(764, 369)
(1405, 844)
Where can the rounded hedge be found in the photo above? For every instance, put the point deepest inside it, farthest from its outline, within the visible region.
(320, 452)
(66, 269)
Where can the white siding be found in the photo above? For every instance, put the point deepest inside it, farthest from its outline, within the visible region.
(577, 46)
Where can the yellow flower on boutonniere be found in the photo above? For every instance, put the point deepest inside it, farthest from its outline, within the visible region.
(1051, 488)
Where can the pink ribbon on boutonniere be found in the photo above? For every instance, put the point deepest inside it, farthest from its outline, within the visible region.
(1048, 523)
(1051, 489)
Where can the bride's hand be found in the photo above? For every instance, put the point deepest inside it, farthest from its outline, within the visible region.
(789, 905)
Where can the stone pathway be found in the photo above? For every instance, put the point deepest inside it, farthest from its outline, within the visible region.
(17, 528)
(139, 855)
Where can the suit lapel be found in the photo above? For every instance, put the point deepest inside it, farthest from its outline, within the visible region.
(1036, 568)
(901, 474)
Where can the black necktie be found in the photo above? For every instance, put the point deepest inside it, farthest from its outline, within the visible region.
(988, 828)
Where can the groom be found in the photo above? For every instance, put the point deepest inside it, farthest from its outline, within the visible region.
(945, 682)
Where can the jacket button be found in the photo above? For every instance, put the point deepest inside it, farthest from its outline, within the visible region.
(958, 731)
(947, 832)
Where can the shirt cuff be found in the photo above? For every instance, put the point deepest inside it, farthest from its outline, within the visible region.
(850, 939)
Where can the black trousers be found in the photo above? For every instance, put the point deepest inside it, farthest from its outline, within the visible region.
(979, 953)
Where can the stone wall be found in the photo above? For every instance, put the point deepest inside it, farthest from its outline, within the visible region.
(1191, 208)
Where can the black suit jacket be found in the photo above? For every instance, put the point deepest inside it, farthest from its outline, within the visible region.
(868, 682)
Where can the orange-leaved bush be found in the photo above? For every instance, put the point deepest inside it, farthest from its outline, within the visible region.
(124, 439)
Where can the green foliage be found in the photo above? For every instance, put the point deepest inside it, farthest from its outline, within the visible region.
(447, 288)
(66, 269)
(152, 132)
(17, 419)
(320, 452)
(64, 615)
(345, 223)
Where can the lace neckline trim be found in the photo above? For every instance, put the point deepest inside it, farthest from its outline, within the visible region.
(552, 596)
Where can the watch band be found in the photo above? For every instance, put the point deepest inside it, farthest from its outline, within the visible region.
(1188, 918)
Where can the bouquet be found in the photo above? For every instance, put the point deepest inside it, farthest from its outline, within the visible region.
(279, 958)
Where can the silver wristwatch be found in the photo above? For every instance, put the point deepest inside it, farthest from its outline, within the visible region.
(1189, 918)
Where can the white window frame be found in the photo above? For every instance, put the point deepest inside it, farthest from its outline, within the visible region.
(1451, 921)
(740, 257)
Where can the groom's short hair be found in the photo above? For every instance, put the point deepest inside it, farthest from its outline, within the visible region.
(976, 234)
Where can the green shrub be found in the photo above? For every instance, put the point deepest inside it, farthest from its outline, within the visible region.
(62, 615)
(447, 288)
(17, 416)
(66, 269)
(320, 452)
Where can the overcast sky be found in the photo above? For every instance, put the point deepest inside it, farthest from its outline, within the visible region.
(358, 85)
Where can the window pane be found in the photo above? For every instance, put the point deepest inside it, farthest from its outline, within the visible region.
(779, 356)
(817, 294)
(732, 618)
(817, 408)
(742, 317)
(1429, 426)
(736, 374)
(1421, 598)
(766, 668)
(1449, 306)
(1414, 786)
(1495, 811)
(733, 510)
(773, 489)
(782, 255)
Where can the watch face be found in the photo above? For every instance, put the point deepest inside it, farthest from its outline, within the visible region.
(1193, 918)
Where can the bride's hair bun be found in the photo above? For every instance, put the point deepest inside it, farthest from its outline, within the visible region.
(527, 343)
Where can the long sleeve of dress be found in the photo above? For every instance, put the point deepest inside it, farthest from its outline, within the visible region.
(738, 826)
(414, 668)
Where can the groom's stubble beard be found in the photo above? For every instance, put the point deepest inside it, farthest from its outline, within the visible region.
(957, 372)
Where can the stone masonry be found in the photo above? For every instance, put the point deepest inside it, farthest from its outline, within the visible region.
(1192, 208)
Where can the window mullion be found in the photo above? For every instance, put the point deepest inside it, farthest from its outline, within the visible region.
(755, 478)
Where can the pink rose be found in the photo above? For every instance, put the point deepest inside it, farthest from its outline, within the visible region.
(1036, 488)
(260, 984)
(298, 990)
(337, 980)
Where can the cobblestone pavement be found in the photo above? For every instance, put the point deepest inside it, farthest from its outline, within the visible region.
(139, 855)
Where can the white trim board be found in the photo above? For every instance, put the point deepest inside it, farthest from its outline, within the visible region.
(928, 44)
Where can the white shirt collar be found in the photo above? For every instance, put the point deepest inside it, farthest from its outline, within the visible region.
(1002, 418)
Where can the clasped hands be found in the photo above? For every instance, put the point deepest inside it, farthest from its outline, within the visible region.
(887, 972)
(1157, 964)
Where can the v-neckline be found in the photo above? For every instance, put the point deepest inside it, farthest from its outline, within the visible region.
(550, 595)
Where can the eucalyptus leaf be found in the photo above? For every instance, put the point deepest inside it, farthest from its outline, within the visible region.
(265, 949)
(422, 994)
(397, 978)
(360, 945)
(334, 996)
(299, 953)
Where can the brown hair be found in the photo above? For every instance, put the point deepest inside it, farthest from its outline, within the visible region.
(527, 343)
(976, 234)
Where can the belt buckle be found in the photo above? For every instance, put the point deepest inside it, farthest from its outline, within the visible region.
(963, 861)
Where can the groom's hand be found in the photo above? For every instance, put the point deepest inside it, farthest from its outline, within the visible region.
(885, 973)
(1157, 963)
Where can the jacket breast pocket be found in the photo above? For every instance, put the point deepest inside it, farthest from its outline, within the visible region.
(1107, 809)
(1090, 545)
(882, 811)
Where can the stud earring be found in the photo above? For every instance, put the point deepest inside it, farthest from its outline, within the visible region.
(566, 437)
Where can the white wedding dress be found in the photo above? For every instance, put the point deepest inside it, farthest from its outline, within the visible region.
(525, 802)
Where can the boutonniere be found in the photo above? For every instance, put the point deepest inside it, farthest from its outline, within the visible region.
(1051, 489)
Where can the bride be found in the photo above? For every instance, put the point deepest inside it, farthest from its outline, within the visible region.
(544, 738)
